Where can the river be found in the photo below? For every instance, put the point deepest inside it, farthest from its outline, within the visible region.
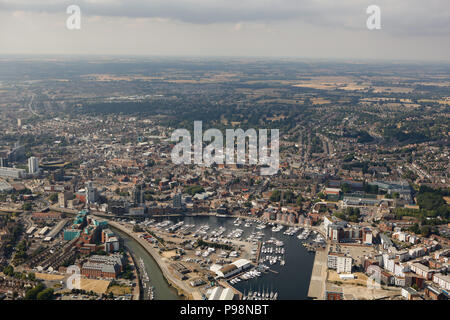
(162, 289)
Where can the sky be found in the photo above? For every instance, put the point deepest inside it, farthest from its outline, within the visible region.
(324, 29)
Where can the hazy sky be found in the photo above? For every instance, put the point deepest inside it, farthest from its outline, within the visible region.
(410, 29)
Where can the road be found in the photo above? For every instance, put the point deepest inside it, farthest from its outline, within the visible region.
(30, 106)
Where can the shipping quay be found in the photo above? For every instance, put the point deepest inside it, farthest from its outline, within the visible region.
(319, 275)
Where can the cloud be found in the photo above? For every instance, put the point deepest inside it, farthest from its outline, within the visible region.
(401, 17)
(410, 29)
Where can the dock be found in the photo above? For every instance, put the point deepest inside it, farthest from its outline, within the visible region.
(318, 275)
(137, 289)
(258, 253)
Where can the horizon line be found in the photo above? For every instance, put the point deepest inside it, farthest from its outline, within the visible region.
(219, 57)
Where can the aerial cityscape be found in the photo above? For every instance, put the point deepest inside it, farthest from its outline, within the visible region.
(358, 209)
(219, 160)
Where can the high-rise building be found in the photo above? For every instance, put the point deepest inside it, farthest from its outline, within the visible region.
(340, 262)
(19, 122)
(63, 197)
(177, 203)
(138, 195)
(90, 193)
(33, 165)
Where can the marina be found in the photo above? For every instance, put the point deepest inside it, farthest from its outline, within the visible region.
(260, 295)
(148, 289)
(278, 257)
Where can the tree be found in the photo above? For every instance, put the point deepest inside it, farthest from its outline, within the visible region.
(288, 196)
(148, 197)
(348, 158)
(46, 294)
(350, 214)
(299, 201)
(192, 190)
(430, 201)
(415, 228)
(53, 197)
(425, 231)
(32, 293)
(9, 270)
(345, 188)
(275, 196)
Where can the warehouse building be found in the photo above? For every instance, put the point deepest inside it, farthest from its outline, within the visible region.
(106, 267)
(12, 173)
(234, 268)
(219, 293)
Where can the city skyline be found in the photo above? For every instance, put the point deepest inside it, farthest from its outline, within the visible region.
(243, 151)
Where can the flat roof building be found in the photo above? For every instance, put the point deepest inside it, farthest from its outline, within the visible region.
(219, 293)
(233, 268)
(12, 172)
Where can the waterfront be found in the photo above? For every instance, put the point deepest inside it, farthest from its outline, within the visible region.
(162, 289)
(291, 280)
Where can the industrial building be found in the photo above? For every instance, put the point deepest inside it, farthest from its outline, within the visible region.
(233, 268)
(12, 173)
(107, 267)
(219, 293)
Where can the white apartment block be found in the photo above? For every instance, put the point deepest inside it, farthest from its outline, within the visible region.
(339, 262)
(367, 237)
(400, 269)
(422, 270)
(409, 293)
(417, 252)
(402, 255)
(442, 254)
(442, 280)
(344, 265)
(332, 261)
(388, 262)
(33, 165)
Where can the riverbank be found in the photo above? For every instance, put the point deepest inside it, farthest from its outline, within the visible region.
(137, 289)
(163, 290)
(182, 288)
